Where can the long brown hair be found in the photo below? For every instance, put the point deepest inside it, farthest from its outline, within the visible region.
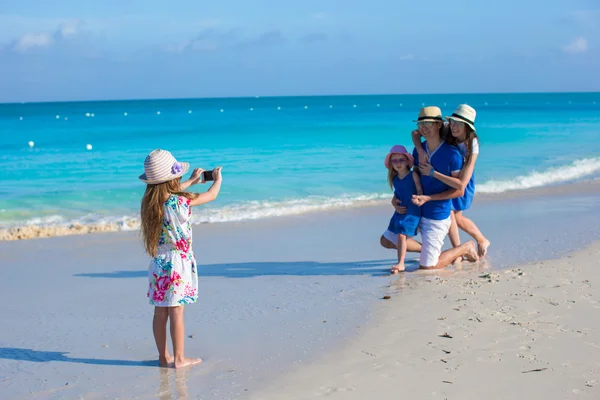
(392, 173)
(471, 136)
(152, 211)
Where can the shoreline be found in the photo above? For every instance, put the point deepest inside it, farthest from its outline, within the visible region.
(524, 332)
(27, 232)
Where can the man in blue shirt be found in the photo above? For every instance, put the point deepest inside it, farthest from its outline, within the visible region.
(435, 201)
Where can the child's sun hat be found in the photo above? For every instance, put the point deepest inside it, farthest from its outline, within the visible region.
(399, 149)
(160, 166)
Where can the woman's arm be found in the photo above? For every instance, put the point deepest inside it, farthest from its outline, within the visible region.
(459, 182)
(212, 193)
(417, 179)
(416, 139)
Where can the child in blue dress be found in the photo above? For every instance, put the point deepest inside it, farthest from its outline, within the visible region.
(402, 227)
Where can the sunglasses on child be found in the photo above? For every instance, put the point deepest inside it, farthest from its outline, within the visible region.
(399, 160)
(427, 124)
(458, 124)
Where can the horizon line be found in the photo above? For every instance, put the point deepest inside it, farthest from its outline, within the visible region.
(288, 96)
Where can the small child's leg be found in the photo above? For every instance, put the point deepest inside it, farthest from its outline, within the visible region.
(454, 235)
(178, 337)
(159, 326)
(401, 254)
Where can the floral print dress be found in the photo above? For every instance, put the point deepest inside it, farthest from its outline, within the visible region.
(172, 273)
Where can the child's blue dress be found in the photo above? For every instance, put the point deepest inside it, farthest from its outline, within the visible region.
(408, 223)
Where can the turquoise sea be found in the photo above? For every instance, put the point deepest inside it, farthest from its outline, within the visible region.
(280, 155)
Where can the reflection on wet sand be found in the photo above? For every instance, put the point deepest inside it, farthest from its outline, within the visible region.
(167, 375)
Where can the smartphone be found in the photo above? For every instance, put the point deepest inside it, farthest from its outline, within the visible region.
(208, 176)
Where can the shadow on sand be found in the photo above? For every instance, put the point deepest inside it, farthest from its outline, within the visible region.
(299, 268)
(18, 354)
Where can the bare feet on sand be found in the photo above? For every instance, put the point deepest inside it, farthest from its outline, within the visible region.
(483, 248)
(397, 268)
(187, 362)
(166, 362)
(472, 254)
(458, 260)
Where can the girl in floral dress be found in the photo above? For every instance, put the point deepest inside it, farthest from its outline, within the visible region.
(167, 233)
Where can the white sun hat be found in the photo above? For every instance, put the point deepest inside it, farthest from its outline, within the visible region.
(160, 166)
(464, 113)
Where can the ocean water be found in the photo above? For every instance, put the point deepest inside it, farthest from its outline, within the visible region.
(280, 156)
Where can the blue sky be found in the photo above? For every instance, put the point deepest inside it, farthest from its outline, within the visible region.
(79, 50)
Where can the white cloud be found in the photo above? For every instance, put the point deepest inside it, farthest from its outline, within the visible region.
(32, 40)
(408, 57)
(577, 46)
(69, 28)
(318, 16)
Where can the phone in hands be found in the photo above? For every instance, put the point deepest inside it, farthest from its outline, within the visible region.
(208, 176)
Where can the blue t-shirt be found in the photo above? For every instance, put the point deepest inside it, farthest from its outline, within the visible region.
(408, 223)
(464, 203)
(445, 159)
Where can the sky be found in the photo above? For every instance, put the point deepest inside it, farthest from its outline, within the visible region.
(69, 50)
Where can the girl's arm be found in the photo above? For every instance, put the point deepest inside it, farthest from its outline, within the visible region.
(194, 179)
(212, 193)
(448, 194)
(459, 182)
(416, 139)
(417, 179)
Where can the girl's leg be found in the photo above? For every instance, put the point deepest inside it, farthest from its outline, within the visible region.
(178, 337)
(453, 233)
(402, 242)
(412, 246)
(469, 226)
(159, 326)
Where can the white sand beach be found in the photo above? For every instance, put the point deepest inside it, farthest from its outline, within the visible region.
(526, 333)
(292, 308)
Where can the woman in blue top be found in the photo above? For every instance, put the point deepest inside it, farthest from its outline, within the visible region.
(402, 227)
(464, 137)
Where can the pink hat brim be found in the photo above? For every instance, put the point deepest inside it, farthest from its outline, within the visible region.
(409, 157)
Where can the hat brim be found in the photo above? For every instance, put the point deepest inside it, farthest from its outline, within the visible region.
(408, 156)
(463, 121)
(185, 168)
(428, 120)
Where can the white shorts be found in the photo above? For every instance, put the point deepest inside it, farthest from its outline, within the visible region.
(391, 236)
(433, 233)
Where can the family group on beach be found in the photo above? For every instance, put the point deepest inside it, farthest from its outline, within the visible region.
(433, 187)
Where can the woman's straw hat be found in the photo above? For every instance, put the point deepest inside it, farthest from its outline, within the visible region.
(464, 113)
(160, 166)
(430, 114)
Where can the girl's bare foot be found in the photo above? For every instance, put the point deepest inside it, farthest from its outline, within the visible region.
(398, 268)
(457, 260)
(187, 362)
(483, 248)
(167, 361)
(472, 252)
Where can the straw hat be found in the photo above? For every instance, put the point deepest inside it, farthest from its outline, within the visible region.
(464, 113)
(160, 166)
(399, 149)
(430, 114)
